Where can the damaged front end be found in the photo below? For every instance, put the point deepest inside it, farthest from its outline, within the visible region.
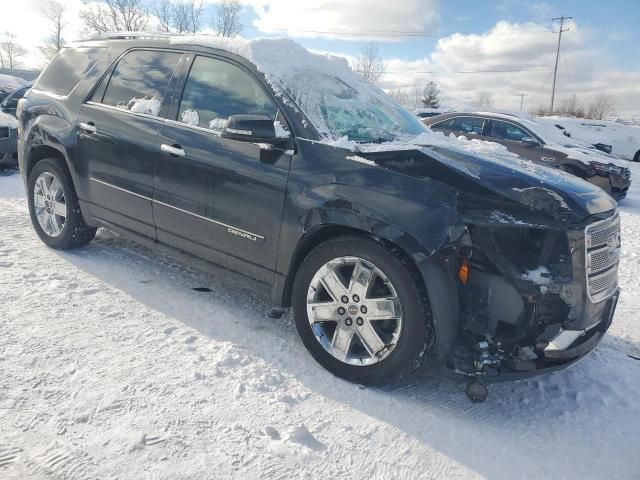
(533, 298)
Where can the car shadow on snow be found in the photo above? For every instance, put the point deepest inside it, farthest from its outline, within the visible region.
(570, 423)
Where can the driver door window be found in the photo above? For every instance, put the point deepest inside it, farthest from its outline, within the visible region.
(215, 90)
(506, 131)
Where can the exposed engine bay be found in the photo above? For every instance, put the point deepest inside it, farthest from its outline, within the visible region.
(526, 304)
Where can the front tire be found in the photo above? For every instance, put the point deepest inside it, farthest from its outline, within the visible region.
(361, 311)
(54, 208)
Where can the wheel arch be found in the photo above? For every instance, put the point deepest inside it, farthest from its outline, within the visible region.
(428, 268)
(40, 152)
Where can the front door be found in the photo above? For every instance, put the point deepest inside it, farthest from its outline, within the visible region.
(117, 131)
(512, 137)
(218, 198)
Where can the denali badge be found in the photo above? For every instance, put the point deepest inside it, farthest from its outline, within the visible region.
(239, 233)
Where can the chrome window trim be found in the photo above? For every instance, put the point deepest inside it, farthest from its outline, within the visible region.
(178, 123)
(230, 228)
(122, 110)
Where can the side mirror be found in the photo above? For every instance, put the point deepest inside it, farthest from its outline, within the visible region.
(530, 141)
(250, 128)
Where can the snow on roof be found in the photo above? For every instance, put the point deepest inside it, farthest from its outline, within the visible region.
(288, 67)
(9, 81)
(7, 120)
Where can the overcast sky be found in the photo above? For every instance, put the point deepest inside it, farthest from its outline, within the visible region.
(458, 43)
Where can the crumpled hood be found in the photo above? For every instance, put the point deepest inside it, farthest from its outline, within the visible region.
(553, 192)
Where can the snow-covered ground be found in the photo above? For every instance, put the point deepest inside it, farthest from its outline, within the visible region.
(112, 366)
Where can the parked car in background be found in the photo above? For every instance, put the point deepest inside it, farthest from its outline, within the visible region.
(541, 143)
(393, 247)
(8, 141)
(9, 84)
(430, 112)
(10, 103)
(623, 140)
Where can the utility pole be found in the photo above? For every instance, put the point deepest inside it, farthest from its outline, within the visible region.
(522, 95)
(555, 70)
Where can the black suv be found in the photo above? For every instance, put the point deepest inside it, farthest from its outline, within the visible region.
(287, 167)
(538, 142)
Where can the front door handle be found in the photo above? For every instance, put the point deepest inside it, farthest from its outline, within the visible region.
(88, 127)
(174, 150)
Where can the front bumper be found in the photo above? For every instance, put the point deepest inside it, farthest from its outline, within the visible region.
(557, 355)
(517, 322)
(616, 184)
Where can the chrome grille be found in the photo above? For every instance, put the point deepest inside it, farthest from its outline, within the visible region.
(602, 245)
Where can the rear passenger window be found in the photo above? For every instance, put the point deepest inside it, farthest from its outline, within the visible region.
(471, 125)
(139, 81)
(216, 89)
(67, 68)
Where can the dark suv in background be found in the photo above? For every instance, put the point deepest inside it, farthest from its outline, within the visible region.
(538, 142)
(392, 252)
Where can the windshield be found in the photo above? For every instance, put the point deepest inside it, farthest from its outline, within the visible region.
(365, 116)
(337, 101)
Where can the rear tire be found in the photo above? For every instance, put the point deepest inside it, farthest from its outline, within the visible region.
(383, 332)
(636, 158)
(54, 208)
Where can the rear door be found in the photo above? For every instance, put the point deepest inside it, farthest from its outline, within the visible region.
(117, 131)
(218, 198)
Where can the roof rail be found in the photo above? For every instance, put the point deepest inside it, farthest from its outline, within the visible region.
(127, 35)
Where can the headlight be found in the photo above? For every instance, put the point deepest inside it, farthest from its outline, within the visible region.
(606, 167)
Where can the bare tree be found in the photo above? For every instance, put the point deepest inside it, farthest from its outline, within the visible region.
(601, 106)
(572, 107)
(115, 15)
(10, 52)
(227, 20)
(401, 96)
(484, 99)
(187, 16)
(163, 11)
(431, 96)
(369, 63)
(54, 11)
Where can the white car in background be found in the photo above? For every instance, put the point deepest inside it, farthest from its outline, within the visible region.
(624, 139)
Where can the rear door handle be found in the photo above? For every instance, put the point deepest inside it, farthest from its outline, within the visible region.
(174, 150)
(89, 127)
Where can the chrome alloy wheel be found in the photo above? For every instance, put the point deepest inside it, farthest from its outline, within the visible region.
(49, 204)
(354, 311)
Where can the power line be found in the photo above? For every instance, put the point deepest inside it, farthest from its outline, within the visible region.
(398, 33)
(555, 70)
(541, 87)
(433, 72)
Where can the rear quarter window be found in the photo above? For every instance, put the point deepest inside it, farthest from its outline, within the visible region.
(67, 68)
